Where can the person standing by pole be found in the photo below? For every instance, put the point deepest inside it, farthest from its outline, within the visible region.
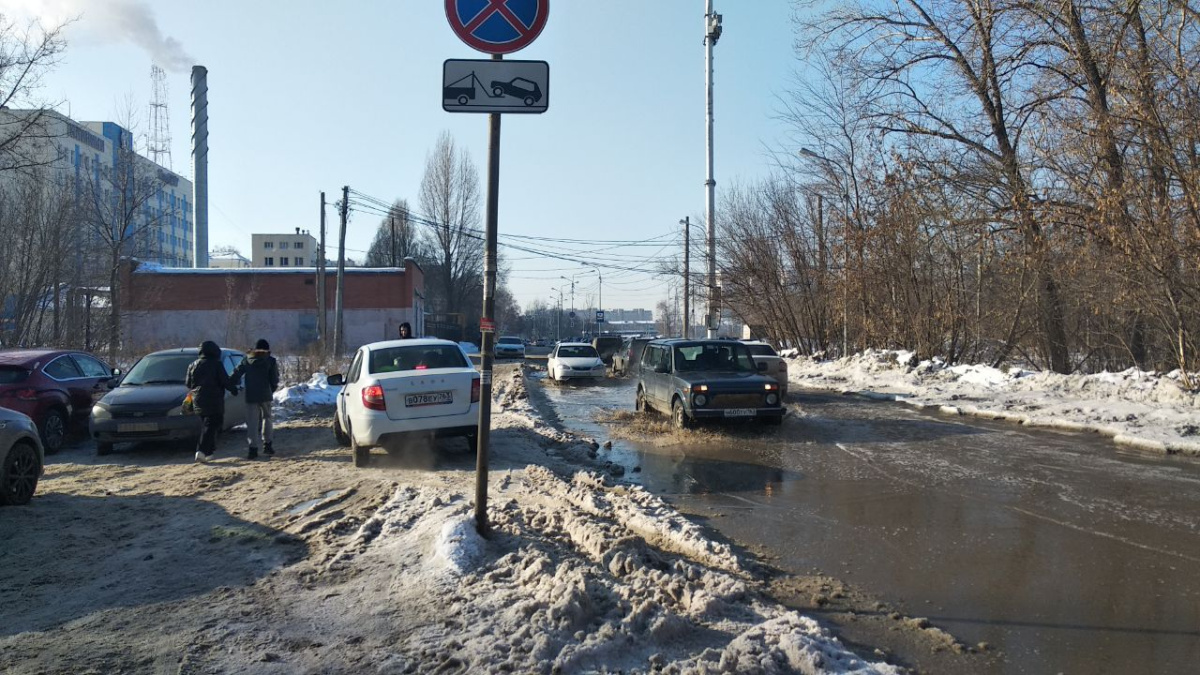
(261, 373)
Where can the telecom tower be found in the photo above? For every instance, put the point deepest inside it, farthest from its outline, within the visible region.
(159, 146)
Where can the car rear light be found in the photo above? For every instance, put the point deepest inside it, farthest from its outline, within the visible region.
(372, 398)
(475, 390)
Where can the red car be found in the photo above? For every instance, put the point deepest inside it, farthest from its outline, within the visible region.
(54, 387)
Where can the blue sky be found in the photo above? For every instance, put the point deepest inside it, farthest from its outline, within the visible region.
(307, 96)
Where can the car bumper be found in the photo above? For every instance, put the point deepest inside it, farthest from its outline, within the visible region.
(722, 413)
(378, 429)
(594, 374)
(122, 429)
(509, 354)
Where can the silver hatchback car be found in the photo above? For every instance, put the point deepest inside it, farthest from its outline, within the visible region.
(22, 459)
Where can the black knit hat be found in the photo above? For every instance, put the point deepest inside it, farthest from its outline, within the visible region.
(263, 345)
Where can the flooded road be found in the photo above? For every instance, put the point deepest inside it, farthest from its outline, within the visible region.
(1064, 552)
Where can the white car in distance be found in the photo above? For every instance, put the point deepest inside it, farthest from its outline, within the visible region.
(573, 361)
(400, 388)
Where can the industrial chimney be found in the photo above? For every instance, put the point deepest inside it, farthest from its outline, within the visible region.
(200, 165)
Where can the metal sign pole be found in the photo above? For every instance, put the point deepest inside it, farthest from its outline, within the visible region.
(489, 311)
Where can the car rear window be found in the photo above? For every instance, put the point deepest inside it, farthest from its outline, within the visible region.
(577, 352)
(12, 375)
(761, 350)
(428, 357)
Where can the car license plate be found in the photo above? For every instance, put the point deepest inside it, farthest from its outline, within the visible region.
(135, 427)
(431, 398)
(740, 412)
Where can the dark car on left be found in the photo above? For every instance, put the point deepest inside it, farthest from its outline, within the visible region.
(148, 404)
(55, 388)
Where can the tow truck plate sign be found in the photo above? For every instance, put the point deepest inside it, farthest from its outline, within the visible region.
(489, 86)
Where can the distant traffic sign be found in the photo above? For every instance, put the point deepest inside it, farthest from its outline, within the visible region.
(497, 26)
(487, 86)
(599, 316)
(486, 325)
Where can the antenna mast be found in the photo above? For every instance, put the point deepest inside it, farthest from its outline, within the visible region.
(160, 121)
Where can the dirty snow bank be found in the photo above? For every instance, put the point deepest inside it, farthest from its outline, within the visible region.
(1139, 408)
(578, 576)
(317, 391)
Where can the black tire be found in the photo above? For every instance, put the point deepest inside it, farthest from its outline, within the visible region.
(497, 91)
(19, 475)
(679, 416)
(103, 449)
(473, 443)
(53, 430)
(462, 99)
(362, 456)
(639, 403)
(529, 101)
(342, 439)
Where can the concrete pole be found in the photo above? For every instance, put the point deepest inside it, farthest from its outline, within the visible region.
(339, 328)
(712, 31)
(322, 310)
(687, 260)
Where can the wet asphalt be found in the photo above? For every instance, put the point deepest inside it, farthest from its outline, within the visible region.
(1062, 551)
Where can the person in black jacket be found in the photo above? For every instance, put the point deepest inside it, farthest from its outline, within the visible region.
(207, 381)
(406, 331)
(261, 373)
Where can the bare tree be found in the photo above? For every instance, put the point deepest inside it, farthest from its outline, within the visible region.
(26, 54)
(450, 196)
(397, 238)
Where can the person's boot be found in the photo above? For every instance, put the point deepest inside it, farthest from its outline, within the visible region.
(253, 453)
(267, 449)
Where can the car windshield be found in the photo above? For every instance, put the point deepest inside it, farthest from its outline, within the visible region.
(761, 350)
(577, 352)
(510, 341)
(730, 357)
(159, 369)
(417, 357)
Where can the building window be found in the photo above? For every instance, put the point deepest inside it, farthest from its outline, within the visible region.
(283, 260)
(299, 246)
(283, 245)
(299, 262)
(270, 262)
(268, 245)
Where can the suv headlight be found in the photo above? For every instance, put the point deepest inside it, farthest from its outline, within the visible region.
(101, 412)
(699, 399)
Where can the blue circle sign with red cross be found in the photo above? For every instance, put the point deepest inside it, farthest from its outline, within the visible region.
(497, 26)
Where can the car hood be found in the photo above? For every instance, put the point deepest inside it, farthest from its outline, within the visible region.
(579, 361)
(718, 380)
(149, 395)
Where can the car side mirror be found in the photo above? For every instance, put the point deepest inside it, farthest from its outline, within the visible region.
(117, 373)
(762, 367)
(336, 379)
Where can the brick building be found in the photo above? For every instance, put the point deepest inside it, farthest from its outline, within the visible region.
(171, 307)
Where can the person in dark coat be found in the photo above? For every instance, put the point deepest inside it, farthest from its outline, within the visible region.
(260, 371)
(406, 331)
(207, 381)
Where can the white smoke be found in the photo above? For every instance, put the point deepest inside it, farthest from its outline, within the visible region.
(108, 21)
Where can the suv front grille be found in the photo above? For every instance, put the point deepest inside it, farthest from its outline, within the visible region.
(737, 401)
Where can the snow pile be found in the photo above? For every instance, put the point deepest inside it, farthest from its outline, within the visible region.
(569, 581)
(317, 391)
(1140, 408)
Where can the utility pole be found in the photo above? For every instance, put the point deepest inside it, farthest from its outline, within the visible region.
(712, 33)
(339, 327)
(484, 432)
(687, 292)
(322, 310)
(392, 223)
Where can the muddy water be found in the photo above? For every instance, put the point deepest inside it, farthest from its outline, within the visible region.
(1061, 551)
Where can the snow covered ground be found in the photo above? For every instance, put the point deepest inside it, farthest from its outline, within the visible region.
(1148, 410)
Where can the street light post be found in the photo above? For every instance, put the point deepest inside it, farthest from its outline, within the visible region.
(558, 316)
(712, 33)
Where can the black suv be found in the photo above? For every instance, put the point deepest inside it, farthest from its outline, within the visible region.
(706, 379)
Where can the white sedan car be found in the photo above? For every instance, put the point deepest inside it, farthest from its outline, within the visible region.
(575, 360)
(404, 387)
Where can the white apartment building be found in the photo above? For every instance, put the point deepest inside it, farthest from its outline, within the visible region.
(86, 160)
(298, 249)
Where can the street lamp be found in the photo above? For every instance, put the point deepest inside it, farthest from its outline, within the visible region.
(558, 316)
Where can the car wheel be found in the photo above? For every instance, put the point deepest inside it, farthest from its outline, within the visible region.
(362, 456)
(53, 430)
(462, 100)
(19, 475)
(342, 439)
(640, 402)
(529, 100)
(104, 449)
(680, 416)
(497, 91)
(473, 443)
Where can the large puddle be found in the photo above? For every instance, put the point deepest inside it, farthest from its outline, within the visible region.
(1061, 550)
